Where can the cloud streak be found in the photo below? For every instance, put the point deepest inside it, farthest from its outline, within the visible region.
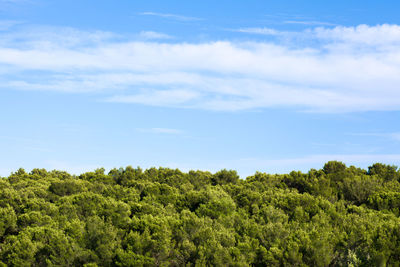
(392, 136)
(309, 22)
(170, 16)
(7, 24)
(262, 31)
(341, 69)
(150, 35)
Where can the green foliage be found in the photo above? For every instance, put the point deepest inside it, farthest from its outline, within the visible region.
(336, 216)
(8, 221)
(334, 167)
(387, 172)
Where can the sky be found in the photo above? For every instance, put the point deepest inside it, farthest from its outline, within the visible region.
(269, 86)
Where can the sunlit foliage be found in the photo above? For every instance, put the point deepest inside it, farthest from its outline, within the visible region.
(336, 216)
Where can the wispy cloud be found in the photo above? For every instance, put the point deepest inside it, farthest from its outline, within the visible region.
(150, 35)
(377, 37)
(7, 4)
(309, 22)
(11, 1)
(285, 18)
(393, 136)
(7, 24)
(170, 98)
(263, 31)
(170, 16)
(348, 69)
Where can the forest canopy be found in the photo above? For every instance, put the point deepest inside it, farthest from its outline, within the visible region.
(335, 216)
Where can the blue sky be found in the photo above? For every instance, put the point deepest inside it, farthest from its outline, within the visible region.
(247, 85)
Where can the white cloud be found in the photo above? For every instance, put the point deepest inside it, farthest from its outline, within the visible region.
(380, 35)
(263, 31)
(157, 97)
(347, 70)
(170, 16)
(150, 35)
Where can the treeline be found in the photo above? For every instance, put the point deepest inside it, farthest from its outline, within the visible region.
(336, 216)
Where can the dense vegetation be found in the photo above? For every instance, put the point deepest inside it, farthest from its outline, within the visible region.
(337, 216)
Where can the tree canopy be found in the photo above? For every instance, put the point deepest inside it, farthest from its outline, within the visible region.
(336, 216)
